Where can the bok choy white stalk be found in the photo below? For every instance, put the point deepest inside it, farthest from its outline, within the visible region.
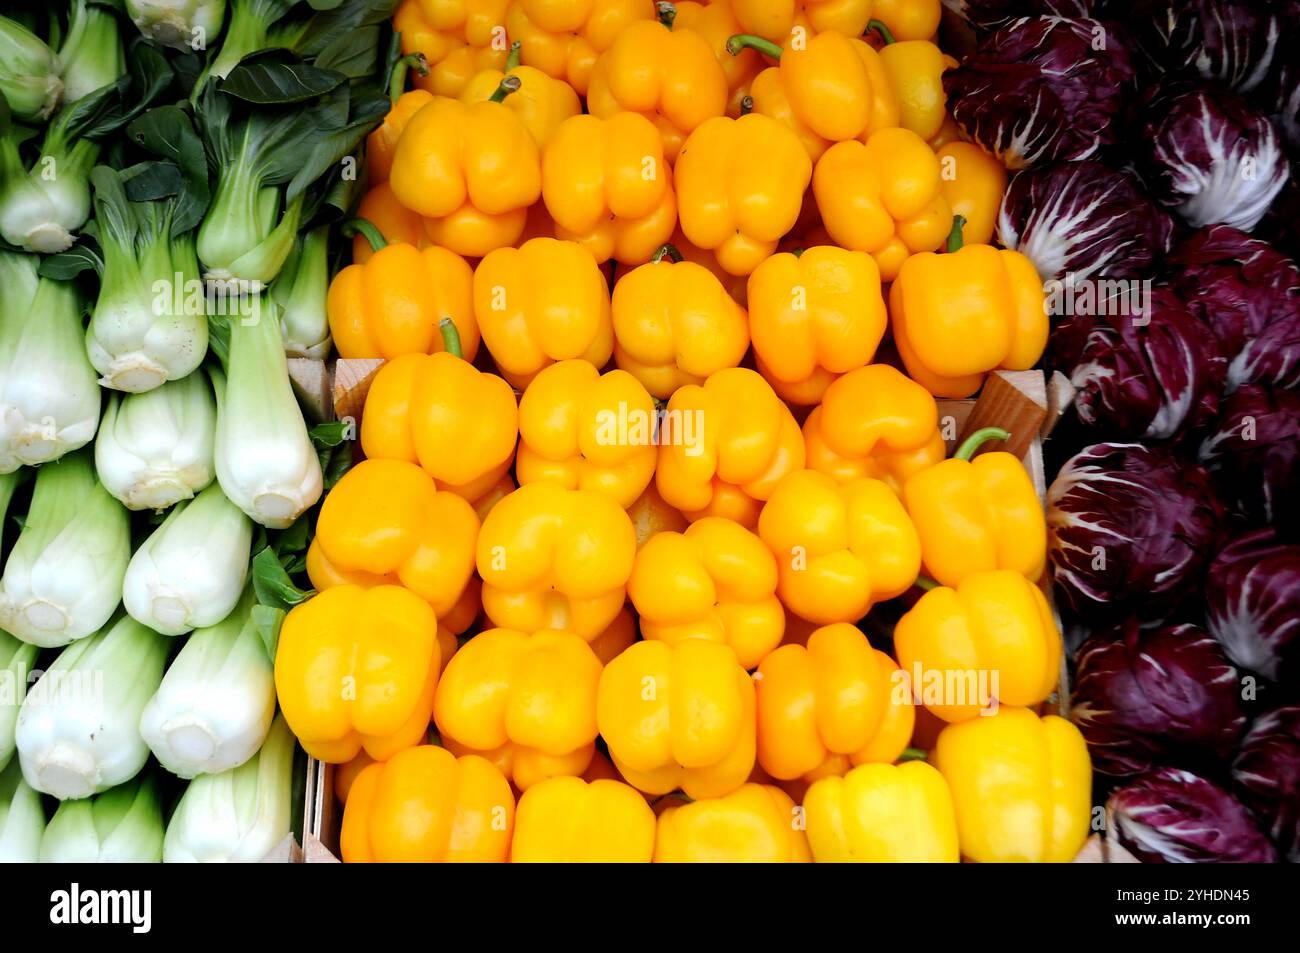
(150, 322)
(63, 578)
(79, 728)
(29, 72)
(237, 815)
(22, 819)
(300, 291)
(191, 570)
(265, 460)
(155, 449)
(250, 28)
(43, 207)
(91, 54)
(124, 825)
(215, 704)
(16, 660)
(180, 24)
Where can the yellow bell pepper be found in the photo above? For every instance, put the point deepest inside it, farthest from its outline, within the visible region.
(960, 315)
(670, 76)
(345, 775)
(586, 430)
(541, 102)
(385, 518)
(839, 547)
(470, 170)
(734, 285)
(542, 303)
(725, 445)
(740, 185)
(457, 37)
(396, 223)
(608, 186)
(882, 813)
(828, 88)
(717, 23)
(357, 668)
(874, 422)
(832, 697)
(555, 558)
(813, 317)
(976, 515)
(618, 635)
(569, 820)
(990, 640)
(439, 411)
(883, 197)
(915, 69)
(563, 38)
(775, 19)
(893, 736)
(755, 824)
(650, 514)
(678, 716)
(427, 806)
(382, 143)
(394, 303)
(948, 133)
(973, 181)
(1021, 786)
(535, 694)
(716, 581)
(675, 324)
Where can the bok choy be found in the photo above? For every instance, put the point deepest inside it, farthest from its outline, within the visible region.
(180, 24)
(124, 825)
(301, 291)
(22, 819)
(16, 660)
(29, 72)
(91, 54)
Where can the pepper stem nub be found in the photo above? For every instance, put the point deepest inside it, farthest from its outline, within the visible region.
(450, 337)
(976, 440)
(360, 226)
(742, 41)
(508, 85)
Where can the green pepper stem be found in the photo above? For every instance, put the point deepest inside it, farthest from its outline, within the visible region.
(397, 85)
(450, 337)
(746, 105)
(666, 250)
(512, 59)
(508, 85)
(955, 238)
(359, 226)
(926, 583)
(742, 41)
(980, 437)
(885, 32)
(914, 754)
(666, 11)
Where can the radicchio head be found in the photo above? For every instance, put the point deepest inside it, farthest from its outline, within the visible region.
(1146, 697)
(1266, 776)
(1077, 221)
(1171, 816)
(1041, 89)
(1233, 42)
(991, 14)
(1130, 529)
(1254, 453)
(1252, 604)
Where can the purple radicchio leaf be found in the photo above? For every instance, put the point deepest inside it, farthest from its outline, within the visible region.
(1236, 43)
(1252, 604)
(1171, 816)
(991, 14)
(1130, 530)
(1043, 89)
(1254, 453)
(1077, 221)
(1147, 697)
(1266, 776)
(1150, 373)
(1209, 156)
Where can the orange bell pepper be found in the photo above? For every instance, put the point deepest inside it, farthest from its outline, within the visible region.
(973, 182)
(650, 514)
(541, 102)
(740, 185)
(675, 324)
(426, 805)
(555, 558)
(618, 635)
(874, 422)
(535, 694)
(915, 69)
(717, 23)
(569, 820)
(839, 547)
(725, 445)
(757, 823)
(470, 170)
(357, 668)
(382, 143)
(563, 38)
(716, 581)
(542, 303)
(678, 716)
(608, 186)
(394, 303)
(976, 515)
(814, 316)
(991, 640)
(394, 221)
(776, 19)
(669, 75)
(458, 39)
(734, 285)
(438, 410)
(586, 430)
(960, 315)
